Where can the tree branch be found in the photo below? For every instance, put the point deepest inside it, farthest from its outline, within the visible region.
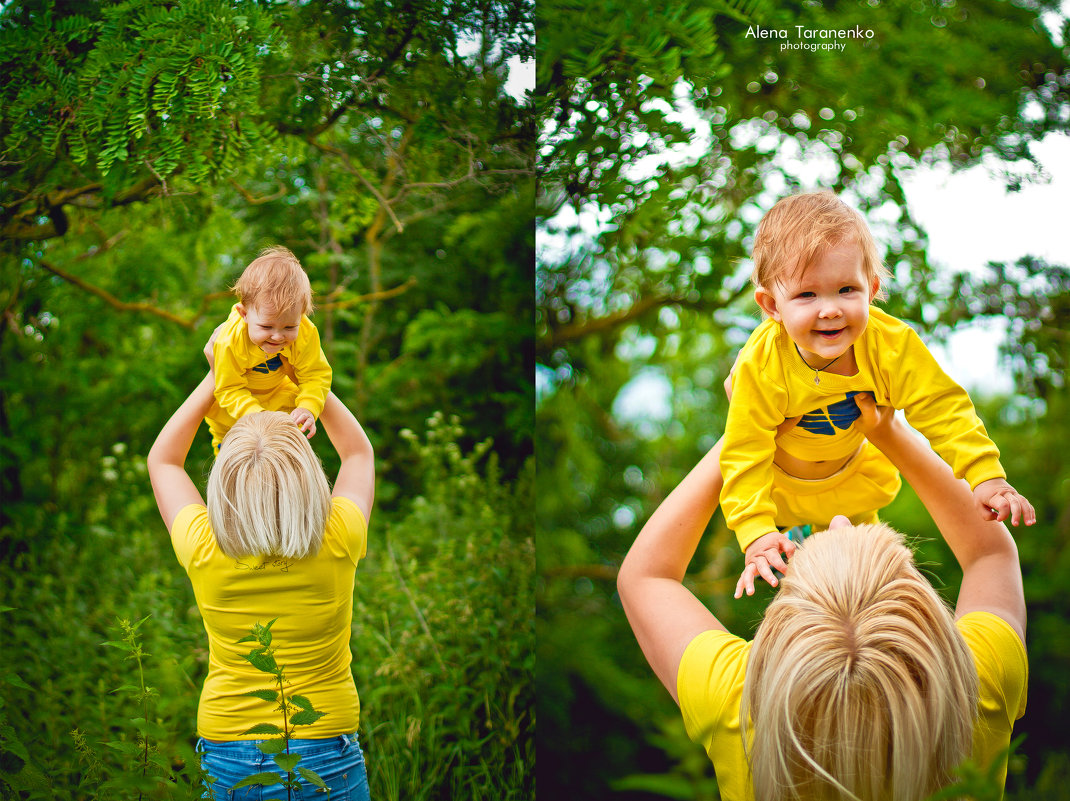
(371, 296)
(121, 305)
(25, 225)
(368, 184)
(252, 200)
(596, 325)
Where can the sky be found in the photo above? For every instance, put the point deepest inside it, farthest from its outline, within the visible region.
(972, 219)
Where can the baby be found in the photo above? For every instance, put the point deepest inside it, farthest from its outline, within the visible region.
(267, 354)
(816, 272)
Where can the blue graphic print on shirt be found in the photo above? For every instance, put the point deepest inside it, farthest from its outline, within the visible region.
(270, 366)
(837, 415)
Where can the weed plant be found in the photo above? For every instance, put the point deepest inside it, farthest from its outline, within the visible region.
(296, 711)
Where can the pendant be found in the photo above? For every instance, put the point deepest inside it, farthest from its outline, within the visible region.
(817, 378)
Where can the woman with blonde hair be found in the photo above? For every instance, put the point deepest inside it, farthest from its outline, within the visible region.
(860, 682)
(274, 542)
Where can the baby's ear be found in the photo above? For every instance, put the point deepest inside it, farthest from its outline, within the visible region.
(767, 303)
(241, 310)
(874, 287)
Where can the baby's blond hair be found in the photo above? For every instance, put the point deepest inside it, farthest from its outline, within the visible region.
(859, 685)
(800, 228)
(275, 281)
(267, 493)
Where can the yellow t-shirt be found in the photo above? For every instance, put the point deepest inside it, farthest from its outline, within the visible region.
(313, 601)
(771, 383)
(709, 685)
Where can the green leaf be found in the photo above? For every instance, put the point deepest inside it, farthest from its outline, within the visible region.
(261, 779)
(312, 777)
(262, 661)
(126, 688)
(263, 728)
(304, 717)
(287, 762)
(301, 701)
(272, 746)
(14, 680)
(263, 695)
(122, 646)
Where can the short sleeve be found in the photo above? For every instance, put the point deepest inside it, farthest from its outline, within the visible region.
(348, 529)
(1002, 666)
(709, 683)
(190, 533)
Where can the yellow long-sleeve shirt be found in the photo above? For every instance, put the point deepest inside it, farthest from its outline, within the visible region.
(242, 370)
(772, 383)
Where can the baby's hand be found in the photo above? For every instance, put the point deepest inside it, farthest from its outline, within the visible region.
(305, 420)
(762, 555)
(998, 500)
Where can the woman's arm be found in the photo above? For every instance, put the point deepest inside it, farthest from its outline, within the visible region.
(991, 573)
(356, 475)
(171, 485)
(663, 614)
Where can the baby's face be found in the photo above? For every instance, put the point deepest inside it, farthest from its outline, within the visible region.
(826, 309)
(269, 330)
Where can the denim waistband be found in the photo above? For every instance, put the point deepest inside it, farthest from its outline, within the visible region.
(246, 748)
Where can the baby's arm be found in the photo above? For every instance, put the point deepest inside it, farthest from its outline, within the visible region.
(746, 461)
(231, 390)
(943, 412)
(763, 556)
(313, 374)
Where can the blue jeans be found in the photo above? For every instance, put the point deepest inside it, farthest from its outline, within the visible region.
(338, 761)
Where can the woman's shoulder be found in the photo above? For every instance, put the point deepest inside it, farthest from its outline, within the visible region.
(984, 630)
(709, 681)
(999, 655)
(347, 528)
(191, 533)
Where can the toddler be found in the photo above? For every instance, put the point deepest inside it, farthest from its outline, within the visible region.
(816, 272)
(267, 354)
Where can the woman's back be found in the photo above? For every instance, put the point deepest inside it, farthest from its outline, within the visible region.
(312, 599)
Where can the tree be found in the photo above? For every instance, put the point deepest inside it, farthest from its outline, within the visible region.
(150, 149)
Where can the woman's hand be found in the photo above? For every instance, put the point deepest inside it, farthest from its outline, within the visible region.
(209, 352)
(875, 421)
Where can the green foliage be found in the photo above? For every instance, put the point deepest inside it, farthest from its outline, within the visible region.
(443, 623)
(133, 764)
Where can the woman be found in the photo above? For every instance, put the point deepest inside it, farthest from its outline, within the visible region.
(272, 542)
(859, 683)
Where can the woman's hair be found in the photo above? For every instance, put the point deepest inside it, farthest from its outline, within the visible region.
(275, 281)
(858, 685)
(267, 493)
(800, 228)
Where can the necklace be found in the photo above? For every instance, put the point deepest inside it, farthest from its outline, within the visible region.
(817, 370)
